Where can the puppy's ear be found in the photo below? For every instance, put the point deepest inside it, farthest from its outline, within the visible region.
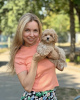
(56, 37)
(41, 37)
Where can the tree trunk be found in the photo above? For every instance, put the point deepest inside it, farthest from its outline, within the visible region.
(78, 14)
(79, 21)
(72, 31)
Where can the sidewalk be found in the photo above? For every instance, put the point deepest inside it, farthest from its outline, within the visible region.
(4, 58)
(69, 78)
(11, 89)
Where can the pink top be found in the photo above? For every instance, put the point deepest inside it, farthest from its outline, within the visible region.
(46, 78)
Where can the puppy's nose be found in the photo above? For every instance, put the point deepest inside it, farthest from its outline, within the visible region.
(47, 38)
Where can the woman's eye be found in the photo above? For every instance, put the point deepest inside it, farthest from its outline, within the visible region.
(35, 30)
(27, 30)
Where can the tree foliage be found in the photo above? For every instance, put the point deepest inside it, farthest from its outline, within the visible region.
(60, 23)
(12, 10)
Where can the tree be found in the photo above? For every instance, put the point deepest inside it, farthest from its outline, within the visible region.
(72, 30)
(12, 10)
(1, 5)
(77, 7)
(68, 7)
(60, 23)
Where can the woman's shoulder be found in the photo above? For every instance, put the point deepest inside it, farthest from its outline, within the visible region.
(27, 51)
(21, 52)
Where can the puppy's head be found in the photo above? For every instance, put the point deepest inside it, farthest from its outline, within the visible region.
(49, 36)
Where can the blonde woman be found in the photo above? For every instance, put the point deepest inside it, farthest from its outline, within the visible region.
(36, 74)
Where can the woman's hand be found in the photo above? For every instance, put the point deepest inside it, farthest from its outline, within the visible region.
(37, 57)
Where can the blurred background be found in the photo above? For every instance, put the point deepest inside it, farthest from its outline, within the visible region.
(61, 15)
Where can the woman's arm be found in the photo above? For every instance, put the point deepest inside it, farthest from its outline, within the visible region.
(27, 78)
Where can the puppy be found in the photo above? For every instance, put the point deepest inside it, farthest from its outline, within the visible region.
(47, 46)
(47, 43)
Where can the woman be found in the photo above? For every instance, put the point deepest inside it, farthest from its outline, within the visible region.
(36, 74)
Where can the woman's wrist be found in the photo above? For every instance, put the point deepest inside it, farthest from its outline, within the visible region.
(34, 62)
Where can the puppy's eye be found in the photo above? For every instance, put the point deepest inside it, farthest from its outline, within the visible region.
(45, 34)
(51, 35)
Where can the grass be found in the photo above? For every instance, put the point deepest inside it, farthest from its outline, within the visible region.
(2, 50)
(67, 93)
(67, 60)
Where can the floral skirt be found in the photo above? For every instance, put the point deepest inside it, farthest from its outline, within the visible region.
(46, 95)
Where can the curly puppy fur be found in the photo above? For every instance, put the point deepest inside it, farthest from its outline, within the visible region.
(47, 43)
(47, 46)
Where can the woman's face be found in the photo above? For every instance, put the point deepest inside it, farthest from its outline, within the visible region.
(31, 33)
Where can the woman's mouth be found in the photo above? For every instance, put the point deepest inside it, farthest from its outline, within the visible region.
(30, 39)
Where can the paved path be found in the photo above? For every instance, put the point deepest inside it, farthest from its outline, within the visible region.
(11, 89)
(70, 77)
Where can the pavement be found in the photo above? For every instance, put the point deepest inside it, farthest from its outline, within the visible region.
(11, 89)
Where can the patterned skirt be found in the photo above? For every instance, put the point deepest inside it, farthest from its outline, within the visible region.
(46, 95)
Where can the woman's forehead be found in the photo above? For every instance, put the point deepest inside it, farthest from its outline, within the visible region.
(32, 24)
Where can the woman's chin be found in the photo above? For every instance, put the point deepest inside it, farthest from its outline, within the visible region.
(30, 43)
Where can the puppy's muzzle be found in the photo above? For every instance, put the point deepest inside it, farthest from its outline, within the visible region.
(48, 38)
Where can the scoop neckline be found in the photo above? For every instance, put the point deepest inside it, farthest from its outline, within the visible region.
(32, 45)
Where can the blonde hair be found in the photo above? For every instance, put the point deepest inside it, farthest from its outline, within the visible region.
(18, 40)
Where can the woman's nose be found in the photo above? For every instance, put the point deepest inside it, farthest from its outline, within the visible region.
(31, 33)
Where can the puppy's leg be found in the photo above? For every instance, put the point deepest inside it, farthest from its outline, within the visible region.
(53, 55)
(43, 51)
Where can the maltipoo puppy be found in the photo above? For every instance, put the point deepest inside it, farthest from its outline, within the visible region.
(47, 46)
